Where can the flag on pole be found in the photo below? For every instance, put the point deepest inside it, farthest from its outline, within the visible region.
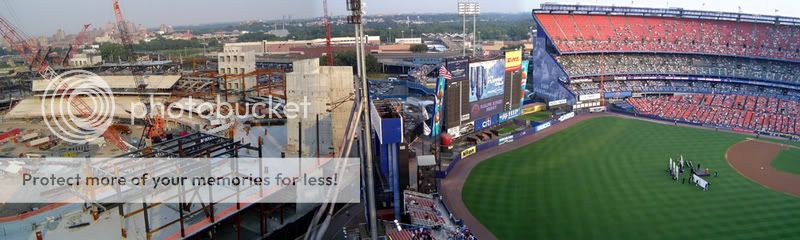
(444, 73)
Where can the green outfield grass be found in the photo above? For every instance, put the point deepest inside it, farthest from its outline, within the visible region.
(788, 161)
(606, 178)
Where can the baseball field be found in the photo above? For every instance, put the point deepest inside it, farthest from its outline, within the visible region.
(788, 161)
(605, 178)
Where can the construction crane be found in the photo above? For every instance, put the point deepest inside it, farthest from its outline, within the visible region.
(78, 42)
(153, 125)
(328, 48)
(38, 63)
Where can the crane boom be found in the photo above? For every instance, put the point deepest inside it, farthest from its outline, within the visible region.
(38, 63)
(328, 48)
(153, 125)
(76, 44)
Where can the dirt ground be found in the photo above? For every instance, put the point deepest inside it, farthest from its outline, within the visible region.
(752, 159)
(452, 186)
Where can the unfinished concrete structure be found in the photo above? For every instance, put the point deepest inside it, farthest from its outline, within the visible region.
(325, 91)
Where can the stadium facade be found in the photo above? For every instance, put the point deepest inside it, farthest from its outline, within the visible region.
(733, 70)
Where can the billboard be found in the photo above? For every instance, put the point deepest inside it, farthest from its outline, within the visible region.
(486, 79)
(439, 99)
(469, 151)
(509, 115)
(557, 102)
(482, 123)
(587, 97)
(513, 60)
(523, 82)
(566, 117)
(457, 90)
(458, 69)
(487, 107)
(504, 140)
(542, 126)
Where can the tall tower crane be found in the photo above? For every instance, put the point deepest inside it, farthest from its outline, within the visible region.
(153, 125)
(76, 44)
(38, 63)
(328, 48)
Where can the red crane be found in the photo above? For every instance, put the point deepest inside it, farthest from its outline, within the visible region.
(38, 63)
(328, 48)
(153, 125)
(76, 44)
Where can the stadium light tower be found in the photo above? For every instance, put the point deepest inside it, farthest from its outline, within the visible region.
(462, 10)
(466, 8)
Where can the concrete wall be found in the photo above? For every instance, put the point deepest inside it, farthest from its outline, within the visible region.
(341, 90)
(317, 86)
(234, 61)
(83, 60)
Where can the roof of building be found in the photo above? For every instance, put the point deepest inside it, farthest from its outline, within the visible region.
(31, 107)
(154, 82)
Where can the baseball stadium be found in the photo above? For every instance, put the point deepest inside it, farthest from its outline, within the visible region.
(660, 124)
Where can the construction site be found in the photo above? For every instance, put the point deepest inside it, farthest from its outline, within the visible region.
(170, 109)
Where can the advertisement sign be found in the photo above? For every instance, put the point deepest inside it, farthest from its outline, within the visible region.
(504, 140)
(469, 151)
(587, 97)
(523, 82)
(465, 117)
(454, 132)
(439, 101)
(467, 128)
(485, 122)
(566, 117)
(513, 60)
(618, 94)
(532, 108)
(509, 115)
(557, 102)
(487, 107)
(486, 79)
(597, 109)
(542, 126)
(458, 69)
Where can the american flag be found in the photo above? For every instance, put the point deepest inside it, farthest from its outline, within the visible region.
(444, 73)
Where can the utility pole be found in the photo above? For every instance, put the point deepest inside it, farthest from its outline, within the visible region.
(355, 8)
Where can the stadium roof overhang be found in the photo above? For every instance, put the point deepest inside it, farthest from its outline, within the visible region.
(665, 12)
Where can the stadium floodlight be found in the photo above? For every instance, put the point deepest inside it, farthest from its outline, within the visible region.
(468, 8)
(462, 8)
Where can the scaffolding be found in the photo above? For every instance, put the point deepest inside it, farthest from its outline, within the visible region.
(196, 214)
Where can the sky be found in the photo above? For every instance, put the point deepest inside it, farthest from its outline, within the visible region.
(44, 17)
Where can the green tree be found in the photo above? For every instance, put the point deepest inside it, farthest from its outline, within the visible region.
(259, 36)
(349, 59)
(419, 48)
(113, 52)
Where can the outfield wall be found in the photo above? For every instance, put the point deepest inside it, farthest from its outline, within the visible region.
(531, 129)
